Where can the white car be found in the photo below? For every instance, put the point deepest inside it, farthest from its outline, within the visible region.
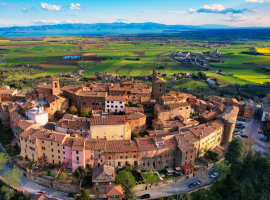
(214, 175)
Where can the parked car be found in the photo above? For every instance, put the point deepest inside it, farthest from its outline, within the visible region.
(71, 195)
(264, 139)
(145, 196)
(214, 175)
(260, 132)
(238, 133)
(199, 182)
(240, 127)
(261, 127)
(240, 123)
(191, 185)
(244, 136)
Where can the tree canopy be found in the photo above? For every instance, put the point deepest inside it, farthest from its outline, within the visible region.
(13, 177)
(85, 195)
(127, 180)
(80, 172)
(3, 160)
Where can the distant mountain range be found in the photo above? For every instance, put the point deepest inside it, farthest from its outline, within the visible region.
(118, 26)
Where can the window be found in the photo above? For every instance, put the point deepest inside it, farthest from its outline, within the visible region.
(52, 150)
(77, 158)
(52, 155)
(77, 152)
(51, 143)
(84, 103)
(64, 152)
(43, 148)
(58, 151)
(108, 106)
(111, 106)
(108, 102)
(91, 156)
(57, 144)
(120, 102)
(64, 158)
(121, 106)
(111, 101)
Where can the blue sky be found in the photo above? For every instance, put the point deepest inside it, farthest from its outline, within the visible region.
(240, 13)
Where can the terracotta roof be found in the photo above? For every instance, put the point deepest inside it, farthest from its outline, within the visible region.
(92, 94)
(52, 98)
(185, 167)
(28, 133)
(136, 115)
(140, 91)
(75, 125)
(177, 105)
(108, 120)
(25, 124)
(202, 131)
(121, 146)
(27, 106)
(114, 190)
(52, 136)
(129, 110)
(146, 144)
(103, 173)
(48, 86)
(115, 98)
(229, 114)
(95, 144)
(7, 91)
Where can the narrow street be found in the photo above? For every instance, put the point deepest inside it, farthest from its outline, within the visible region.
(32, 187)
(176, 188)
(252, 132)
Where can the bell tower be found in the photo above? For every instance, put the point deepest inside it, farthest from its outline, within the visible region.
(55, 86)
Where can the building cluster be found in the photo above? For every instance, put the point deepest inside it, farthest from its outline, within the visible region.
(103, 141)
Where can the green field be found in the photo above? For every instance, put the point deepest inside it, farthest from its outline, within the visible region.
(240, 68)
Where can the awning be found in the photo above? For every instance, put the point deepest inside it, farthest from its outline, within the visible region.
(170, 170)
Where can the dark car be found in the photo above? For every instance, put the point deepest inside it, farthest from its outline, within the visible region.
(264, 139)
(145, 196)
(191, 185)
(71, 195)
(40, 192)
(244, 136)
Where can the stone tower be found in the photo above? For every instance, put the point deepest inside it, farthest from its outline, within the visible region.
(158, 86)
(55, 86)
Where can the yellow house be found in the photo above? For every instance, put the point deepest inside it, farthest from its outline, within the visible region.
(50, 146)
(42, 144)
(28, 141)
(209, 135)
(111, 127)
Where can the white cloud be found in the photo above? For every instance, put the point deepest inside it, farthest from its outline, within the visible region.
(179, 12)
(77, 22)
(215, 7)
(75, 6)
(218, 8)
(258, 1)
(192, 11)
(235, 18)
(25, 10)
(43, 22)
(50, 7)
(12, 5)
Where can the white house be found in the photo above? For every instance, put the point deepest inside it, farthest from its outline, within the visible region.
(114, 104)
(37, 114)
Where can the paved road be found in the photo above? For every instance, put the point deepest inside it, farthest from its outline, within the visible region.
(32, 187)
(252, 132)
(176, 188)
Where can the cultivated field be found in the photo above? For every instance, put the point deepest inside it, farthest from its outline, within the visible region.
(138, 57)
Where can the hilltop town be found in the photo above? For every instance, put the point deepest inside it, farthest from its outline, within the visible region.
(105, 127)
(120, 124)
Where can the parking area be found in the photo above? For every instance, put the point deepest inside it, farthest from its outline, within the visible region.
(241, 126)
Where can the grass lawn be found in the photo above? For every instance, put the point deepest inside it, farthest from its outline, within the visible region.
(151, 177)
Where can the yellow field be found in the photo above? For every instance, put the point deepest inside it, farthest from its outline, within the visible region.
(265, 50)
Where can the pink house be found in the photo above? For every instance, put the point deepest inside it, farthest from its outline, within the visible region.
(81, 152)
(73, 152)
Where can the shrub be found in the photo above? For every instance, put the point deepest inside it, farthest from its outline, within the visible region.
(20, 157)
